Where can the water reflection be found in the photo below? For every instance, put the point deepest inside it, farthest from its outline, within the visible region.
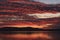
(42, 35)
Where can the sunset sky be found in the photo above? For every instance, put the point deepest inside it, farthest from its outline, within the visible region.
(29, 14)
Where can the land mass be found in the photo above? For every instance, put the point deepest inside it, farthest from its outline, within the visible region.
(26, 29)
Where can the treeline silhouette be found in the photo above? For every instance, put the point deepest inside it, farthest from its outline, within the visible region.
(26, 29)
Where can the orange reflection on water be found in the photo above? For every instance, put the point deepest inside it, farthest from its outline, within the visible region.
(43, 36)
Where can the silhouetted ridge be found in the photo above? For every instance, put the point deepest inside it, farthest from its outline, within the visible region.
(26, 29)
(19, 29)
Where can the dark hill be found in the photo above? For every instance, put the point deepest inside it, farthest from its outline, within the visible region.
(19, 29)
(26, 29)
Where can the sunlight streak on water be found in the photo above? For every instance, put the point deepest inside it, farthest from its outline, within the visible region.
(29, 36)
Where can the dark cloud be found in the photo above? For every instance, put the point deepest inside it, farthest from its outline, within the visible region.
(3, 0)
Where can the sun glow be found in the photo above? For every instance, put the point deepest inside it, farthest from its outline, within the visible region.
(33, 26)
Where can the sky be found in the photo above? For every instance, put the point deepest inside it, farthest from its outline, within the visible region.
(29, 9)
(49, 1)
(46, 1)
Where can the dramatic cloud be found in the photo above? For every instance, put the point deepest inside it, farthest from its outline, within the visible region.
(45, 15)
(3, 0)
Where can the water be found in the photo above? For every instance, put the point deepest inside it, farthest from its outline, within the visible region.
(42, 35)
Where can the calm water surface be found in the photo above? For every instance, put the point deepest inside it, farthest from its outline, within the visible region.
(42, 35)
